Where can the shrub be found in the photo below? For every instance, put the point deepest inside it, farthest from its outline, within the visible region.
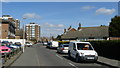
(109, 49)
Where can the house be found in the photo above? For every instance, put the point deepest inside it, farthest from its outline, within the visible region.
(86, 33)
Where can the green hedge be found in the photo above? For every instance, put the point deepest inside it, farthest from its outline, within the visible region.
(109, 49)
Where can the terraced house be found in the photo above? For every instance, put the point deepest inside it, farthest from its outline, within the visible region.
(86, 33)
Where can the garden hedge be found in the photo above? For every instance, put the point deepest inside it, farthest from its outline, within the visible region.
(107, 48)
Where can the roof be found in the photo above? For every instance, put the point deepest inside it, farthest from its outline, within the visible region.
(73, 29)
(87, 32)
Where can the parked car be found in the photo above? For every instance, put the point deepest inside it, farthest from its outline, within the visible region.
(5, 42)
(48, 44)
(17, 43)
(14, 46)
(4, 49)
(28, 44)
(82, 51)
(63, 48)
(54, 44)
(45, 43)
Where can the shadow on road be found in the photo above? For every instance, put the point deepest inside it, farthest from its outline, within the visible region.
(71, 59)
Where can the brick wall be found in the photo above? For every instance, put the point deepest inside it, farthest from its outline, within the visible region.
(5, 30)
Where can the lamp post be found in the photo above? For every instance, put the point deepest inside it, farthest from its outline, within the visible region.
(0, 29)
(23, 35)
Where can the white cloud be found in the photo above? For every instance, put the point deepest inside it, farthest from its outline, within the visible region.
(53, 25)
(47, 29)
(58, 29)
(87, 7)
(59, 25)
(4, 0)
(105, 11)
(31, 15)
(52, 30)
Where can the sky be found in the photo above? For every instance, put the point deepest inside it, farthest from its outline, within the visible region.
(54, 17)
(60, 0)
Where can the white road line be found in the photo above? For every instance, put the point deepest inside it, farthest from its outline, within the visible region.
(72, 65)
(59, 57)
(37, 59)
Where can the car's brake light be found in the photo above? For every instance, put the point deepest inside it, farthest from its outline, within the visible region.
(62, 48)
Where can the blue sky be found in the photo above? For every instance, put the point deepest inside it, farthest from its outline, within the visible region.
(55, 16)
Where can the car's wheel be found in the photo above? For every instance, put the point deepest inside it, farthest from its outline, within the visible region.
(57, 51)
(69, 55)
(77, 59)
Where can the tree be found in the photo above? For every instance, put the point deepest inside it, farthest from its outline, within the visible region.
(114, 27)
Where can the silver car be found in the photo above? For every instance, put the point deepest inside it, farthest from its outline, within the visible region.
(63, 48)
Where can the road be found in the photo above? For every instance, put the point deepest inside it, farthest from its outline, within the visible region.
(39, 55)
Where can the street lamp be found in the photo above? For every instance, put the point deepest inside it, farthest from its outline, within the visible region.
(23, 35)
(0, 32)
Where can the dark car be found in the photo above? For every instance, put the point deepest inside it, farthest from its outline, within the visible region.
(17, 43)
(5, 42)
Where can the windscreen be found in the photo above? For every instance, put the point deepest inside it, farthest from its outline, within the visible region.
(84, 46)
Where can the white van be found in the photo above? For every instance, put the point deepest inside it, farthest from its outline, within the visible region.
(82, 51)
(54, 44)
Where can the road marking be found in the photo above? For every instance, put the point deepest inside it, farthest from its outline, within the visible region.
(37, 59)
(72, 65)
(59, 56)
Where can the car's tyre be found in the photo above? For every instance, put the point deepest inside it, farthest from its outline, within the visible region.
(69, 55)
(95, 61)
(57, 51)
(77, 59)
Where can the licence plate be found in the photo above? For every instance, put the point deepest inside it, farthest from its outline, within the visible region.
(90, 57)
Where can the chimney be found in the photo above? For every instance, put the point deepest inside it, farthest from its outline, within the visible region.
(64, 30)
(79, 26)
(69, 27)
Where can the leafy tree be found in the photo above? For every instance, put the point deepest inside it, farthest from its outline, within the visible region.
(114, 27)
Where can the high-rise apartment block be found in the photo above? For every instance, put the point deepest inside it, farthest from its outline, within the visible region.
(32, 31)
(8, 27)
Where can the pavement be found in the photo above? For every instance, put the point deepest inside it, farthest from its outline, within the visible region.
(28, 58)
(109, 62)
(11, 60)
(37, 56)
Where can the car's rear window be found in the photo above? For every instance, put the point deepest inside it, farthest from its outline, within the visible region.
(66, 45)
